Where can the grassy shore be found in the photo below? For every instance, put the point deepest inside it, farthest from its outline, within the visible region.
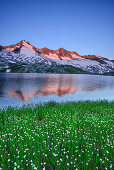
(57, 136)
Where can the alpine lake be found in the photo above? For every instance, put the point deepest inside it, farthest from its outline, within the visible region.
(17, 89)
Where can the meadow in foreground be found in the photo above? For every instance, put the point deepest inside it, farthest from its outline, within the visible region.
(57, 136)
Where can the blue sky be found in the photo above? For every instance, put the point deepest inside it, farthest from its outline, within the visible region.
(84, 26)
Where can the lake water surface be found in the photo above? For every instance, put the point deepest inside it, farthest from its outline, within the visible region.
(17, 89)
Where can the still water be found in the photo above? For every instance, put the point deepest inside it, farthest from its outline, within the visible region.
(17, 89)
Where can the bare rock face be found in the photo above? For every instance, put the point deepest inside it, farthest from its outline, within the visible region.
(63, 54)
(90, 56)
(13, 47)
(60, 54)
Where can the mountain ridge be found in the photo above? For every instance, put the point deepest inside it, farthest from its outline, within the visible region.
(60, 53)
(23, 57)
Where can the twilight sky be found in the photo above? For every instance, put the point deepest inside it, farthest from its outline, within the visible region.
(84, 26)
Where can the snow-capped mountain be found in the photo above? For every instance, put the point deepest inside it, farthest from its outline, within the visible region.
(23, 57)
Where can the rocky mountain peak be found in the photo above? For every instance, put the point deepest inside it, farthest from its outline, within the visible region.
(60, 54)
(28, 42)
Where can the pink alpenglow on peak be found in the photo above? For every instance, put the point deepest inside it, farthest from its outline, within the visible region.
(60, 54)
(21, 45)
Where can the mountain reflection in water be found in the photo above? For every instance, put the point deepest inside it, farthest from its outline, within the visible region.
(65, 87)
(54, 84)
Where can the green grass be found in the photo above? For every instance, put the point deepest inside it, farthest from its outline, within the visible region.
(57, 136)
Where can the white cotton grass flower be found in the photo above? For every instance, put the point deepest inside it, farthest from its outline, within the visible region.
(15, 164)
(55, 154)
(111, 166)
(24, 156)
